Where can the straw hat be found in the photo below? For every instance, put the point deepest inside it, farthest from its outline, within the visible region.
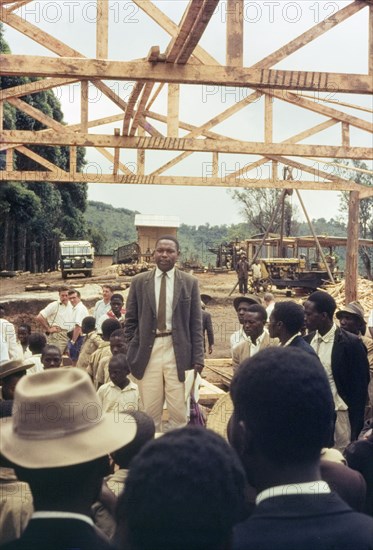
(219, 416)
(57, 421)
(12, 367)
(249, 299)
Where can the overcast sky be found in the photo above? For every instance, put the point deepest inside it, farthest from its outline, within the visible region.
(268, 25)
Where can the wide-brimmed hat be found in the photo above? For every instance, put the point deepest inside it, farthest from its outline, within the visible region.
(353, 308)
(58, 421)
(250, 299)
(12, 367)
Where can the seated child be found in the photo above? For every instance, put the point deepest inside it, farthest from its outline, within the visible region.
(36, 344)
(51, 357)
(120, 394)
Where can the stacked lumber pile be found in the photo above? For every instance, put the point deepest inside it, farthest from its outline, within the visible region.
(128, 269)
(364, 293)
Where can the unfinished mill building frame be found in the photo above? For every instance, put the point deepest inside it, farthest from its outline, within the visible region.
(146, 138)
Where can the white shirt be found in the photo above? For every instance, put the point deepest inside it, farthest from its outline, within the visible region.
(323, 346)
(254, 348)
(117, 400)
(38, 365)
(100, 309)
(62, 515)
(257, 271)
(319, 487)
(9, 347)
(170, 281)
(291, 339)
(237, 337)
(59, 315)
(79, 312)
(370, 319)
(270, 308)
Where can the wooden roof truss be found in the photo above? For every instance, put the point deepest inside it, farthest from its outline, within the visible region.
(186, 62)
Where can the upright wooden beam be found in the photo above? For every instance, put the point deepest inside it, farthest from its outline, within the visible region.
(370, 53)
(352, 248)
(116, 154)
(72, 160)
(173, 110)
(268, 118)
(102, 29)
(9, 159)
(84, 106)
(215, 165)
(140, 155)
(345, 134)
(235, 29)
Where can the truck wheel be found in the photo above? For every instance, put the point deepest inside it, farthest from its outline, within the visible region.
(88, 273)
(64, 275)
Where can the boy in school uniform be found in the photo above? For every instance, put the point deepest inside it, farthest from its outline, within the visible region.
(120, 394)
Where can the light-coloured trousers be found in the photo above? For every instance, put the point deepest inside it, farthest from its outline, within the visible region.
(58, 339)
(342, 431)
(161, 382)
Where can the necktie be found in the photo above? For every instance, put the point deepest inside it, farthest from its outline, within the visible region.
(161, 320)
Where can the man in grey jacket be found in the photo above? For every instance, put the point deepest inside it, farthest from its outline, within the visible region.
(163, 330)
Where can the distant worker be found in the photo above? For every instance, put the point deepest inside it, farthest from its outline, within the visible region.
(57, 319)
(257, 275)
(242, 273)
(103, 305)
(208, 330)
(269, 303)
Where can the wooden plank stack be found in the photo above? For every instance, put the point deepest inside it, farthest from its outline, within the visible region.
(364, 293)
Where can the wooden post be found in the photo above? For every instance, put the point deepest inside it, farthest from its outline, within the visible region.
(140, 155)
(84, 106)
(370, 53)
(116, 154)
(215, 165)
(173, 110)
(268, 118)
(352, 248)
(102, 29)
(235, 22)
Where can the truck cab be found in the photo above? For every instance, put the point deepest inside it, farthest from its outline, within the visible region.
(76, 257)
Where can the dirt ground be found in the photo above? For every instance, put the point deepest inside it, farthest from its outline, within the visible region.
(22, 305)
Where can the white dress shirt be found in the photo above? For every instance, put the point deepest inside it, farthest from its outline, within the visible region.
(318, 487)
(323, 346)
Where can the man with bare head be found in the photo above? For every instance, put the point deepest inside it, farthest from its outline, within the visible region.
(57, 319)
(163, 329)
(103, 305)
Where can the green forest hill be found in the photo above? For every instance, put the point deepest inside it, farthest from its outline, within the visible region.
(111, 227)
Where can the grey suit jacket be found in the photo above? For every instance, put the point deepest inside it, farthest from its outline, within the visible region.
(141, 322)
(243, 350)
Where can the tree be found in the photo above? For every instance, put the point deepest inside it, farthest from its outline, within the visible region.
(258, 206)
(35, 216)
(365, 210)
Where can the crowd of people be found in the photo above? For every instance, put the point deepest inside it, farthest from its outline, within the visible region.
(89, 459)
